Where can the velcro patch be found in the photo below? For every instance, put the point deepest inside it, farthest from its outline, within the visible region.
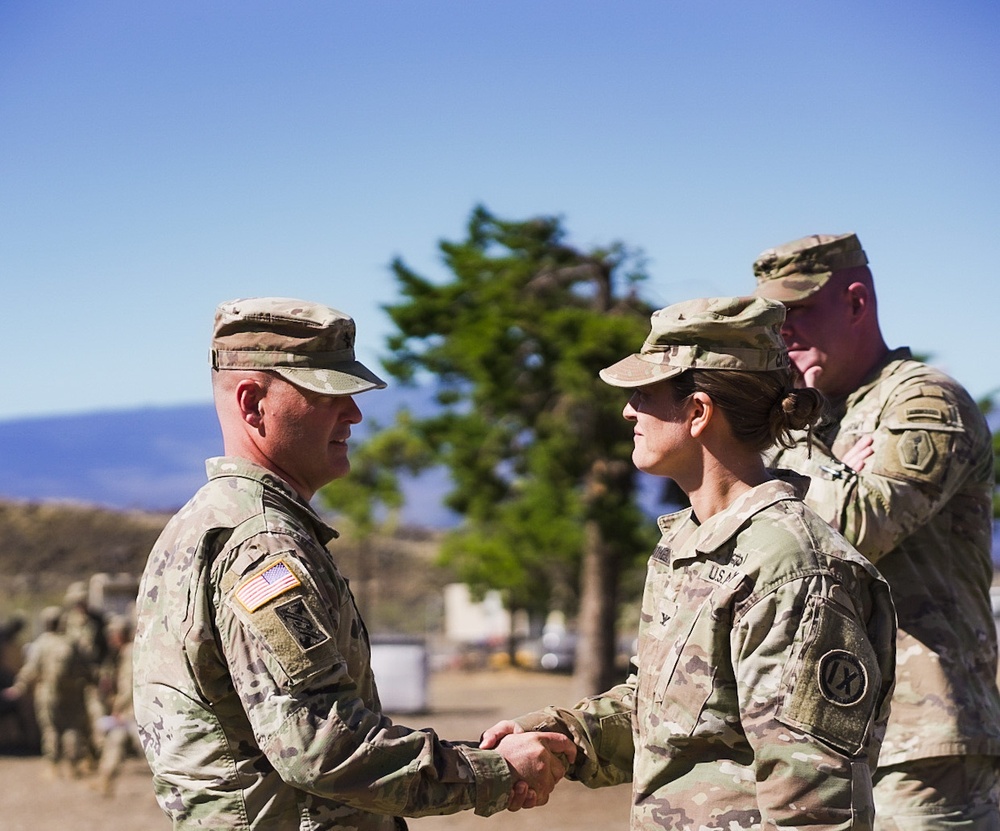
(301, 624)
(832, 678)
(924, 414)
(272, 582)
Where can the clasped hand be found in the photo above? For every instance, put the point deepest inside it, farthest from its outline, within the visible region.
(859, 452)
(537, 760)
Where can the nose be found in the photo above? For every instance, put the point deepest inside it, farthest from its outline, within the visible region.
(352, 412)
(629, 412)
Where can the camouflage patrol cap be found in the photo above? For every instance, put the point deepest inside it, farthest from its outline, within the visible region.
(739, 333)
(307, 344)
(797, 269)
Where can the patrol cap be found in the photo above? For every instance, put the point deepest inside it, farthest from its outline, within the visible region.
(738, 333)
(308, 344)
(797, 269)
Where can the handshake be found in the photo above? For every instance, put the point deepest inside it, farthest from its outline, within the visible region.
(537, 761)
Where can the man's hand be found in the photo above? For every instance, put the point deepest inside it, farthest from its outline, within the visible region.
(862, 448)
(809, 378)
(538, 760)
(493, 735)
(855, 457)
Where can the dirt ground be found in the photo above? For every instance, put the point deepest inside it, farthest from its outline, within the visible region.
(461, 705)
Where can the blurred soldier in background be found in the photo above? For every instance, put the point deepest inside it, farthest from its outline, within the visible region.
(120, 735)
(56, 672)
(903, 467)
(84, 627)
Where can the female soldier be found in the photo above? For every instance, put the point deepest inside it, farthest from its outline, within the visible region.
(766, 642)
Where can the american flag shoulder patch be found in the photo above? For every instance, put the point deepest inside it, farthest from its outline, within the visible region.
(273, 581)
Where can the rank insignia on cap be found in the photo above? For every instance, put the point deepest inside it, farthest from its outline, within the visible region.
(275, 580)
(301, 624)
(843, 679)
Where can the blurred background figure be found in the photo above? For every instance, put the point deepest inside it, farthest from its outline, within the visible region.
(120, 735)
(83, 626)
(56, 673)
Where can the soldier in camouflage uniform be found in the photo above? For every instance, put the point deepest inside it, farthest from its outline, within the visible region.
(119, 728)
(765, 657)
(56, 672)
(84, 628)
(253, 691)
(903, 467)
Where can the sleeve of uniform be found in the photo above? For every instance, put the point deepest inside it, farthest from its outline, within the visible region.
(808, 683)
(30, 671)
(601, 729)
(925, 444)
(308, 715)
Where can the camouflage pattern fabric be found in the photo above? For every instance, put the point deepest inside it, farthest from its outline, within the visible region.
(926, 795)
(85, 628)
(121, 734)
(308, 344)
(738, 333)
(800, 268)
(57, 673)
(762, 681)
(921, 510)
(254, 695)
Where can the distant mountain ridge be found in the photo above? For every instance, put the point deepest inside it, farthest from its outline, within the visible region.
(153, 458)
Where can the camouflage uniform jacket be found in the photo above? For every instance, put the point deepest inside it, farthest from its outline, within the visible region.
(56, 671)
(254, 695)
(920, 509)
(762, 678)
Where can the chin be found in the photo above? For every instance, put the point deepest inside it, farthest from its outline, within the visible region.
(646, 465)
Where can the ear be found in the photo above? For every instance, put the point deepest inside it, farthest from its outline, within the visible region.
(249, 398)
(701, 409)
(859, 299)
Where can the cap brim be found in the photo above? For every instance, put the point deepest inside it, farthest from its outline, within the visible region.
(349, 378)
(789, 289)
(635, 372)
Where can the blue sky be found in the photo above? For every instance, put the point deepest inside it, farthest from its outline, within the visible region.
(157, 158)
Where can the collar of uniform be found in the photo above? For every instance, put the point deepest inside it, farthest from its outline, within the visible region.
(225, 466)
(717, 530)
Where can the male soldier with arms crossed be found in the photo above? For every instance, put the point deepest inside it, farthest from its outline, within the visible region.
(254, 695)
(903, 467)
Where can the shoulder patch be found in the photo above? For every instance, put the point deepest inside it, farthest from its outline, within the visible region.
(843, 679)
(300, 623)
(266, 585)
(916, 450)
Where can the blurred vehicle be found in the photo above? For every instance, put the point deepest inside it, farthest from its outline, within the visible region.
(554, 651)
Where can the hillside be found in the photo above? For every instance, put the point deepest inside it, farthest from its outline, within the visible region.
(46, 546)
